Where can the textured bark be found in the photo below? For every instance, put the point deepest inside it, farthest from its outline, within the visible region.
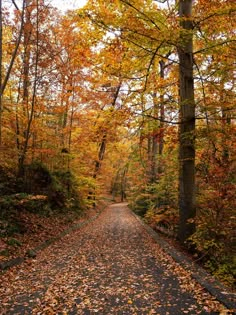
(102, 149)
(30, 113)
(14, 54)
(187, 205)
(1, 72)
(157, 139)
(123, 184)
(154, 141)
(162, 110)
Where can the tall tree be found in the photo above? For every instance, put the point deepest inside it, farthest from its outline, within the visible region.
(4, 79)
(187, 206)
(1, 23)
(30, 108)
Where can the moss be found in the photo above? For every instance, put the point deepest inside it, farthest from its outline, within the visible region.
(5, 252)
(13, 242)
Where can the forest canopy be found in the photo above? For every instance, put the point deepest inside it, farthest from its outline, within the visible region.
(132, 98)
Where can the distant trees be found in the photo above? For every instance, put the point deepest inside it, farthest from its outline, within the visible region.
(135, 98)
(176, 65)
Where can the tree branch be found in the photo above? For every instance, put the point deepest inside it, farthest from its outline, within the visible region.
(17, 8)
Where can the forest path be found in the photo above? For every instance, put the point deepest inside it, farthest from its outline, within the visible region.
(111, 266)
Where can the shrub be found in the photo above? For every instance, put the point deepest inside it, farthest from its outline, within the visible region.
(8, 182)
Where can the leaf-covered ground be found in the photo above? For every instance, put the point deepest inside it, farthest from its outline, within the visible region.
(30, 230)
(111, 266)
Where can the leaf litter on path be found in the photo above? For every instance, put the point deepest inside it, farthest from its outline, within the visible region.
(111, 266)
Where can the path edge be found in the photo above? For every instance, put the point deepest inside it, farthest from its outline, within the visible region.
(32, 253)
(213, 286)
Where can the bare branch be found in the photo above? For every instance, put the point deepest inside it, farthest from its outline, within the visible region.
(17, 8)
(15, 50)
(142, 13)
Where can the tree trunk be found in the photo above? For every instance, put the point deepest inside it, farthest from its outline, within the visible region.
(1, 72)
(102, 145)
(187, 206)
(123, 184)
(154, 141)
(30, 113)
(102, 149)
(4, 80)
(162, 112)
(157, 132)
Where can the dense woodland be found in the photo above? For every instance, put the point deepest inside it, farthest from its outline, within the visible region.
(131, 98)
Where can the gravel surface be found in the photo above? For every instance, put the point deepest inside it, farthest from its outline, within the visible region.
(111, 266)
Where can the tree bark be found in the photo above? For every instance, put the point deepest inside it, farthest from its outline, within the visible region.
(162, 110)
(30, 113)
(123, 183)
(14, 54)
(154, 141)
(1, 72)
(187, 203)
(157, 139)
